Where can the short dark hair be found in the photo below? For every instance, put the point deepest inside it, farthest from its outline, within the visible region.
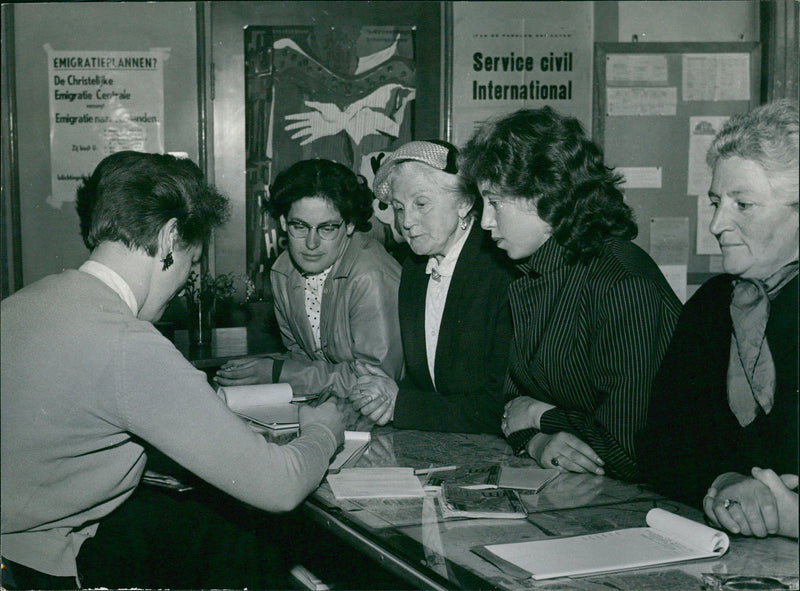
(131, 195)
(546, 157)
(347, 192)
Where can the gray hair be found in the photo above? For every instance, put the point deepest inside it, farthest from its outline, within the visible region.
(767, 135)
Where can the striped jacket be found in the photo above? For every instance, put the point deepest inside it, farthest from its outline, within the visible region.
(589, 338)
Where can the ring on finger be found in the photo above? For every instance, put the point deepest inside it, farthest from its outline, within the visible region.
(728, 503)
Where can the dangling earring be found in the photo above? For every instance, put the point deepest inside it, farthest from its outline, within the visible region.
(167, 260)
(463, 223)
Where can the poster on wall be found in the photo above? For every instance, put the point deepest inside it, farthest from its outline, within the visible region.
(512, 55)
(101, 102)
(344, 94)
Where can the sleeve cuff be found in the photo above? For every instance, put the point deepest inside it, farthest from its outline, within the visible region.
(518, 440)
(541, 408)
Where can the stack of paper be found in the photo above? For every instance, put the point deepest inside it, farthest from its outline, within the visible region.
(375, 483)
(669, 538)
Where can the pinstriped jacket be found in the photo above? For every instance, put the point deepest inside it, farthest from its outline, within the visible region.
(589, 338)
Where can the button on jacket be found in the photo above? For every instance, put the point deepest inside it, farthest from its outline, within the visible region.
(359, 319)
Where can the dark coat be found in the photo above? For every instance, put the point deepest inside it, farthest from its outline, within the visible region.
(472, 351)
(692, 436)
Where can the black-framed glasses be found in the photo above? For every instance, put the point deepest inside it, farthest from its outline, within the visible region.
(326, 231)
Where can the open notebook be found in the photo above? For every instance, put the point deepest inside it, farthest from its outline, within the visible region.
(263, 404)
(669, 538)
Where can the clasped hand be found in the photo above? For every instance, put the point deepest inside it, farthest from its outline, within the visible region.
(375, 393)
(241, 372)
(761, 505)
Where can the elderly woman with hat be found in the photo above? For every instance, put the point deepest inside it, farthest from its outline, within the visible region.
(454, 317)
(723, 419)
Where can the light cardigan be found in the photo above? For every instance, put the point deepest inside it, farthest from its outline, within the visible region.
(81, 381)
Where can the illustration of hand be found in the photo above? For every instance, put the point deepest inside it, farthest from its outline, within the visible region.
(325, 121)
(360, 119)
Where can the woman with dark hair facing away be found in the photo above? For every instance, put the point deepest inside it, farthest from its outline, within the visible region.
(454, 315)
(723, 420)
(592, 313)
(335, 288)
(86, 379)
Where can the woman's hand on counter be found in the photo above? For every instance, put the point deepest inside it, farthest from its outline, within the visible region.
(242, 372)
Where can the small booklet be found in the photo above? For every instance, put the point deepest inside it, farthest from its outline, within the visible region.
(527, 478)
(480, 503)
(669, 538)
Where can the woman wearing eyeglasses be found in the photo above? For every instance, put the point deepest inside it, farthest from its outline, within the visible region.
(335, 288)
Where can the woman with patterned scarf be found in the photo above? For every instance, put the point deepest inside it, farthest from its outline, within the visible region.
(723, 419)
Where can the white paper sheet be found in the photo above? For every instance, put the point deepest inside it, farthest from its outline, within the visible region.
(640, 177)
(716, 76)
(641, 101)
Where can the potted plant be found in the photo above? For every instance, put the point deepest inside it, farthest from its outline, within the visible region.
(202, 296)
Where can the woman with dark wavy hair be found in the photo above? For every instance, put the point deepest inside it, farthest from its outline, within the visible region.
(592, 313)
(335, 288)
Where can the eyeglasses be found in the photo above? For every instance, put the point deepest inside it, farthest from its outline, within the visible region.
(326, 231)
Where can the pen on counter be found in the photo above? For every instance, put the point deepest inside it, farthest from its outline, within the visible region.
(421, 471)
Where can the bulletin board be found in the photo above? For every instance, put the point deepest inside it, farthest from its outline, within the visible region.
(656, 108)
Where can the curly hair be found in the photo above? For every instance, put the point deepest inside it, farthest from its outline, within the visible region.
(545, 157)
(767, 135)
(131, 195)
(349, 193)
